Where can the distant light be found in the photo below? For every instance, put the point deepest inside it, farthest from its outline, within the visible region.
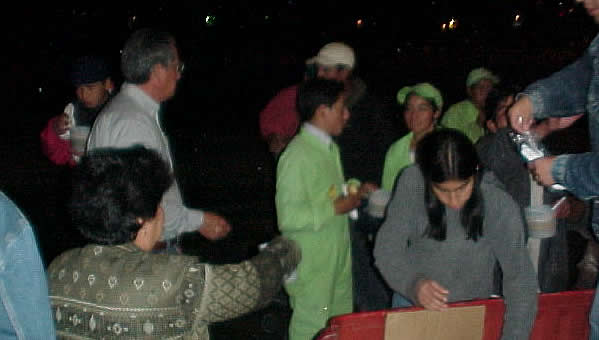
(444, 27)
(359, 23)
(571, 10)
(210, 20)
(517, 20)
(134, 18)
(453, 24)
(40, 90)
(266, 17)
(120, 51)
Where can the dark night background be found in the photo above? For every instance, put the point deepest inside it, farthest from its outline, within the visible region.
(235, 62)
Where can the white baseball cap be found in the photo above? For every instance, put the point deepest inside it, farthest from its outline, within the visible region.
(335, 53)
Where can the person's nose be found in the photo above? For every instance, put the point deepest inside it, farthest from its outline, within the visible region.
(85, 94)
(453, 201)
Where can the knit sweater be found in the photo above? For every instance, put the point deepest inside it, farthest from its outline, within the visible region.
(404, 255)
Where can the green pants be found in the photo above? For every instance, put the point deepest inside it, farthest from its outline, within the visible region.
(323, 287)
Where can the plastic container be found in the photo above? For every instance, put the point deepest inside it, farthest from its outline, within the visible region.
(79, 136)
(377, 203)
(540, 221)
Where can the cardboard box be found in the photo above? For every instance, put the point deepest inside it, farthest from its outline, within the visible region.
(458, 323)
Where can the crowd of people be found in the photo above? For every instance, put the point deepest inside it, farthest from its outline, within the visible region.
(454, 228)
(456, 176)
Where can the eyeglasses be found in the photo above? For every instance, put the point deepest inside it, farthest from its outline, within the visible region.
(180, 68)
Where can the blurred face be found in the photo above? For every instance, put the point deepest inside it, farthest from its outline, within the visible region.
(501, 112)
(335, 117)
(419, 114)
(454, 193)
(93, 95)
(333, 73)
(479, 92)
(592, 7)
(170, 75)
(156, 226)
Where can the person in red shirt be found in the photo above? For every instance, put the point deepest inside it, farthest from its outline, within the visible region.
(90, 75)
(279, 120)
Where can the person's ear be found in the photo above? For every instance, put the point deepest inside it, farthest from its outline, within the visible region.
(491, 126)
(469, 91)
(158, 72)
(321, 111)
(344, 74)
(109, 84)
(436, 115)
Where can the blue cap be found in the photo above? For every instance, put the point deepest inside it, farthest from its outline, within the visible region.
(89, 69)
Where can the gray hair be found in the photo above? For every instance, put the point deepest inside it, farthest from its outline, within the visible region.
(144, 49)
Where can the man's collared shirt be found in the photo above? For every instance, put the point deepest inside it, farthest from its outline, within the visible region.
(131, 118)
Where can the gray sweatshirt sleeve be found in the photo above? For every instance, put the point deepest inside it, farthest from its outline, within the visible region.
(390, 251)
(505, 231)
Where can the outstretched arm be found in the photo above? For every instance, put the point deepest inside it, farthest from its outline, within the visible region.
(235, 289)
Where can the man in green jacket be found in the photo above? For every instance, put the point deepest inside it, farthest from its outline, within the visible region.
(312, 207)
(468, 116)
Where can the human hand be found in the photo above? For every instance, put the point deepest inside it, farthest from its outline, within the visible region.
(76, 153)
(367, 188)
(558, 123)
(62, 124)
(562, 208)
(288, 251)
(345, 204)
(541, 170)
(276, 143)
(431, 295)
(552, 124)
(520, 114)
(214, 227)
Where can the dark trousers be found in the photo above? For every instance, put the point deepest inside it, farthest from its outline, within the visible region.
(370, 291)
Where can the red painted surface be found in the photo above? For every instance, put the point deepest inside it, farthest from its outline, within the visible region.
(560, 316)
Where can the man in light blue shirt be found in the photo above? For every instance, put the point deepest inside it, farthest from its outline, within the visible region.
(151, 68)
(24, 304)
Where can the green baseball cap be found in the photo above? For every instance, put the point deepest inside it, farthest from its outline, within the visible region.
(479, 74)
(424, 90)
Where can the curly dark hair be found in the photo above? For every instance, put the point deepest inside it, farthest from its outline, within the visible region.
(112, 188)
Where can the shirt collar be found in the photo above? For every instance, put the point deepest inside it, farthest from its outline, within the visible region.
(149, 104)
(318, 133)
